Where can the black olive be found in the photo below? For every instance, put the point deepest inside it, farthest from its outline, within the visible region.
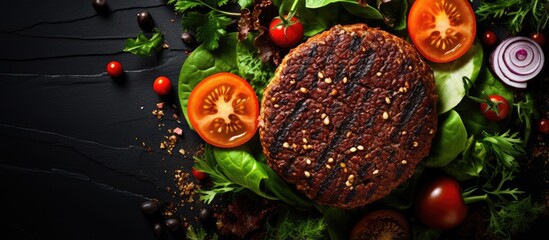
(100, 6)
(188, 39)
(145, 21)
(205, 216)
(158, 230)
(172, 224)
(150, 206)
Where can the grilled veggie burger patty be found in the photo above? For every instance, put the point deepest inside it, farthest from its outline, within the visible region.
(349, 115)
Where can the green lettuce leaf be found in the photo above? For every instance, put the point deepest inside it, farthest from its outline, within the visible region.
(143, 46)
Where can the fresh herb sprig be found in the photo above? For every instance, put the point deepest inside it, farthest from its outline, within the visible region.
(515, 13)
(292, 227)
(222, 184)
(199, 234)
(144, 46)
(505, 203)
(206, 18)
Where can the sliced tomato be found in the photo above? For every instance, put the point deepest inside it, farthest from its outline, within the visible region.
(442, 30)
(223, 109)
(382, 224)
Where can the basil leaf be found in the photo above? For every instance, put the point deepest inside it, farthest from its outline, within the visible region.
(143, 46)
(203, 63)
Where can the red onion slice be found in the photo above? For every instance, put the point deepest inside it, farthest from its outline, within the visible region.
(517, 60)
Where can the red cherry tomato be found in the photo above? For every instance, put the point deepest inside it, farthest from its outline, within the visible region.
(114, 69)
(543, 126)
(489, 38)
(539, 38)
(199, 175)
(496, 111)
(286, 35)
(439, 205)
(162, 85)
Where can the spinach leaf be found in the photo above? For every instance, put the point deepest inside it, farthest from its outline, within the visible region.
(339, 222)
(449, 142)
(313, 24)
(491, 85)
(394, 13)
(251, 68)
(449, 77)
(143, 46)
(203, 63)
(241, 168)
(322, 3)
(474, 120)
(367, 11)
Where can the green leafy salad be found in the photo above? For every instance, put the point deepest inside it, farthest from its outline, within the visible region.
(484, 125)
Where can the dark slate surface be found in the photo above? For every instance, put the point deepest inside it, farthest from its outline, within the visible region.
(72, 161)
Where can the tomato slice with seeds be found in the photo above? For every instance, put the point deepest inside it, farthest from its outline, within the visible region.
(223, 109)
(442, 30)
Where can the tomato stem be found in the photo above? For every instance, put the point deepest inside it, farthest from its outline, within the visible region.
(467, 198)
(233, 14)
(473, 199)
(286, 19)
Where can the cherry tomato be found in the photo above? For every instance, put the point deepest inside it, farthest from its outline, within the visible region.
(439, 204)
(162, 85)
(114, 69)
(442, 30)
(543, 126)
(489, 38)
(539, 38)
(198, 175)
(288, 35)
(224, 110)
(496, 111)
(381, 224)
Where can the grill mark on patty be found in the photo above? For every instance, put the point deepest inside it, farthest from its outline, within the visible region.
(370, 121)
(364, 168)
(324, 185)
(356, 43)
(350, 196)
(417, 94)
(371, 191)
(288, 167)
(345, 125)
(364, 65)
(399, 170)
(302, 72)
(282, 133)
